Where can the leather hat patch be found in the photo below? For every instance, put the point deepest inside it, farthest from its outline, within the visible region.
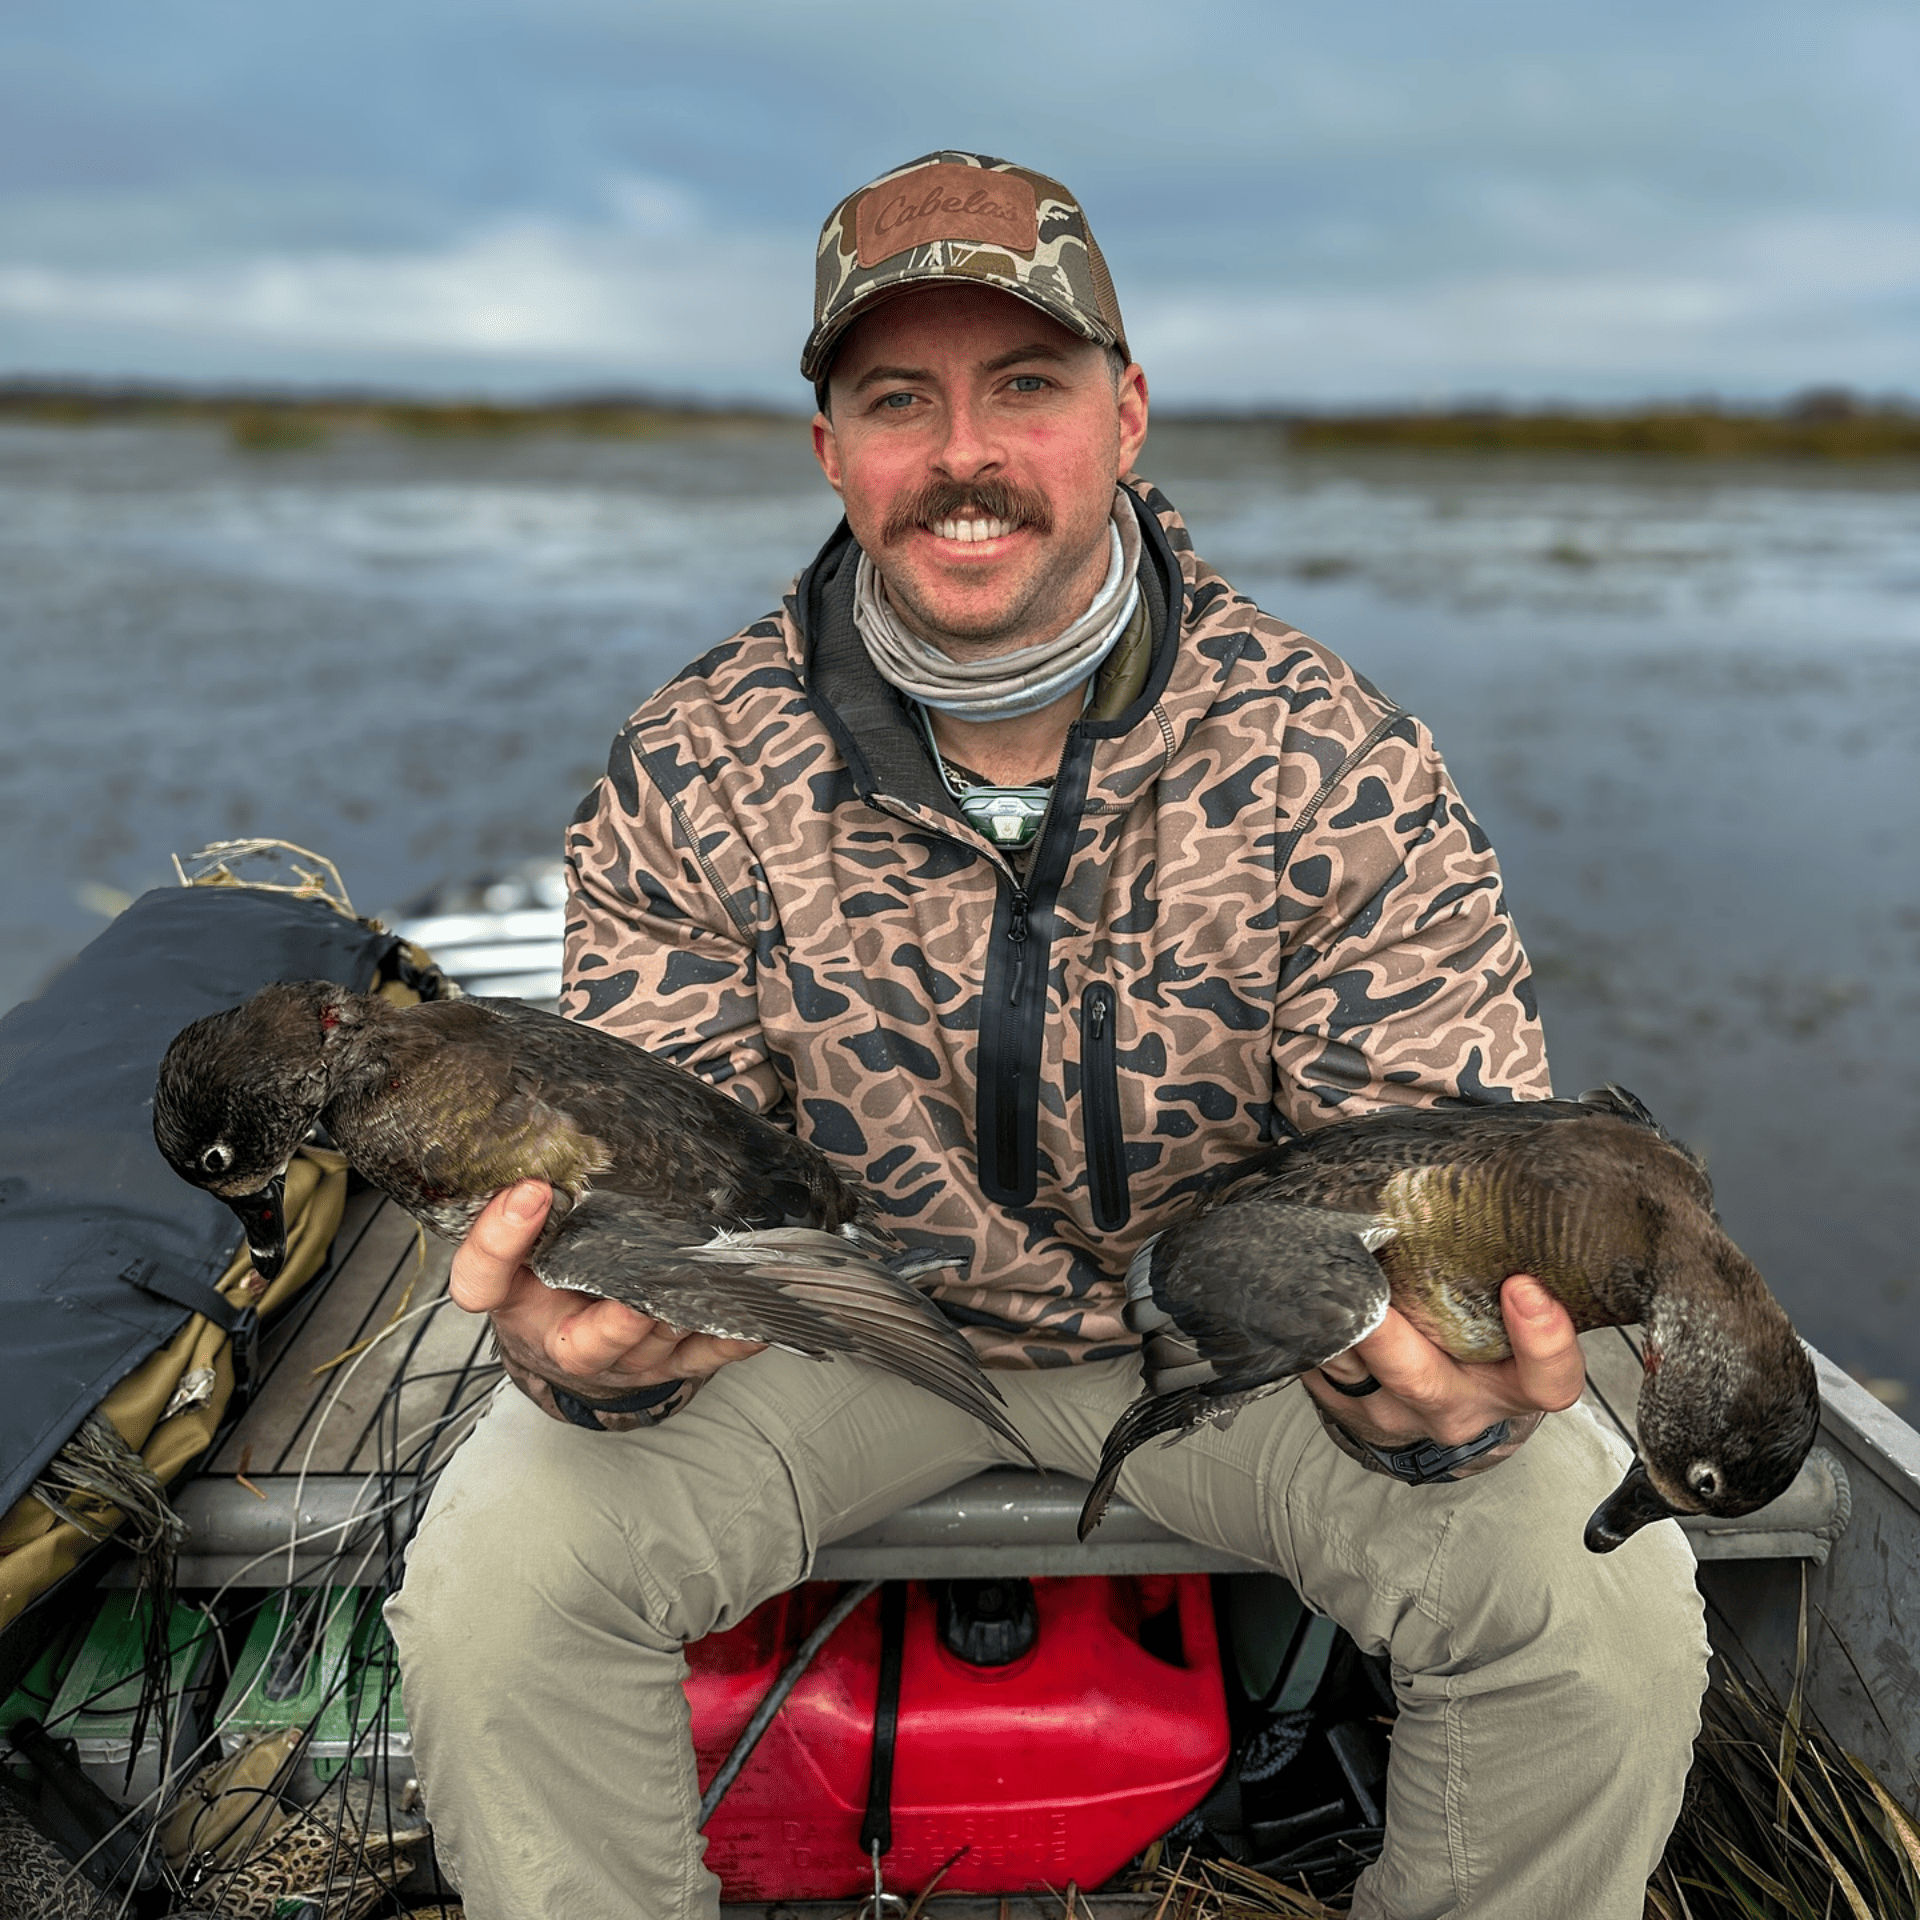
(946, 202)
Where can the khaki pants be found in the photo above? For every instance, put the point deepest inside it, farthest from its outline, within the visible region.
(1548, 1697)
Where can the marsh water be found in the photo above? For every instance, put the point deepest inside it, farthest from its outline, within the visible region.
(1684, 699)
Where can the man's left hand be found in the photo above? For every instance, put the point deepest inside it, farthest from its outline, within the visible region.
(1425, 1394)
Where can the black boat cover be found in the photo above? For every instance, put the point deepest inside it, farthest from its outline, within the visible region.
(104, 1250)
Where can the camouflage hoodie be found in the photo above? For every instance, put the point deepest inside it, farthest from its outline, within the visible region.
(1256, 901)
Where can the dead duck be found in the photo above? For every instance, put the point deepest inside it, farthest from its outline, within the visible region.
(1296, 1256)
(668, 1196)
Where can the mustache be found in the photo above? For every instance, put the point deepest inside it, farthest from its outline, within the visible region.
(942, 499)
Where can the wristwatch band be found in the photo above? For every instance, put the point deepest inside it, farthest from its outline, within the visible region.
(584, 1413)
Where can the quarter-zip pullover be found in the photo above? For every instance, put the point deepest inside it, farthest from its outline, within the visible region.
(1256, 902)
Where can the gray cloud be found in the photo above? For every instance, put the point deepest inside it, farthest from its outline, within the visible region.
(1372, 202)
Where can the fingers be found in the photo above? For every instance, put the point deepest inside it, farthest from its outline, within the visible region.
(488, 1262)
(699, 1354)
(1348, 1368)
(1549, 1369)
(1426, 1393)
(575, 1333)
(602, 1342)
(587, 1337)
(576, 1336)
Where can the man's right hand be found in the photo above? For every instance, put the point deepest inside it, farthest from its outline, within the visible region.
(594, 1347)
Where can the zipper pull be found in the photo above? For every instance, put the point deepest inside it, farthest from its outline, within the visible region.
(1096, 1016)
(1017, 933)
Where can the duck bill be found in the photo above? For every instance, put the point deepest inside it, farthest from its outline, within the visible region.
(1633, 1504)
(263, 1216)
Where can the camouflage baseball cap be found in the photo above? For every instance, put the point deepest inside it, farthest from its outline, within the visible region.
(965, 217)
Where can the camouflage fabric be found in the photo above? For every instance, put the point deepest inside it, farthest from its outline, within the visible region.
(1258, 902)
(37, 1880)
(318, 1863)
(960, 216)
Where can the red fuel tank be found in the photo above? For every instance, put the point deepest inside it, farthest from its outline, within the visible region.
(1060, 1766)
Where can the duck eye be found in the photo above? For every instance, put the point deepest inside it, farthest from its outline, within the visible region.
(216, 1159)
(1704, 1479)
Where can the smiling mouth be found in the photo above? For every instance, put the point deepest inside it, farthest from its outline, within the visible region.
(968, 531)
(968, 512)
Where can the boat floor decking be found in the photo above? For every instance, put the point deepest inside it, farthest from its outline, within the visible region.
(362, 1391)
(372, 1378)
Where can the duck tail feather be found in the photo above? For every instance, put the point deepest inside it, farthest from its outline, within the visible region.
(1152, 1414)
(893, 1326)
(621, 1255)
(695, 1298)
(800, 1288)
(910, 1263)
(815, 1248)
(916, 1263)
(1615, 1099)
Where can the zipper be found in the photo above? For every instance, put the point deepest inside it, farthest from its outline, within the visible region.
(1013, 1003)
(1017, 939)
(1012, 1033)
(1014, 1000)
(1010, 1040)
(1103, 1136)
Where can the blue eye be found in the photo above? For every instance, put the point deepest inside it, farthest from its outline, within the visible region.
(1028, 382)
(897, 401)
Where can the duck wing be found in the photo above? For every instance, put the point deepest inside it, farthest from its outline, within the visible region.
(1261, 1290)
(803, 1289)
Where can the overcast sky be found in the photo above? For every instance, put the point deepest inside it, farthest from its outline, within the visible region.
(1376, 200)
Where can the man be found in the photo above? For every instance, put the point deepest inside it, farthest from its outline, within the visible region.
(1033, 874)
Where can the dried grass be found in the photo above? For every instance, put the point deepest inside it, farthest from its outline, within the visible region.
(1780, 1822)
(1191, 1889)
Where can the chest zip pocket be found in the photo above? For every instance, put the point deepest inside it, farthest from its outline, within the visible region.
(1106, 1145)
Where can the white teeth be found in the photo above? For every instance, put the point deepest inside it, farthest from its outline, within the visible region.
(973, 529)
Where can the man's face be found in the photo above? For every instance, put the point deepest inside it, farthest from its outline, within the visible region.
(975, 444)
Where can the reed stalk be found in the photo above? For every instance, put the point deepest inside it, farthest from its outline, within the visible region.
(1780, 1822)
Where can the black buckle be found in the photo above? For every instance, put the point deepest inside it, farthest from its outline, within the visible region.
(1426, 1462)
(244, 1337)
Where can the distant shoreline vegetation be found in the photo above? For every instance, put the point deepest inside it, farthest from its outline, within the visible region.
(267, 421)
(1824, 424)
(1828, 423)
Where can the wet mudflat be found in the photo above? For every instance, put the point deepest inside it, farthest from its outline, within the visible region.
(1683, 698)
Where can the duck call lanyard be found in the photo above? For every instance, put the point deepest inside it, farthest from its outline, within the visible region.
(1008, 816)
